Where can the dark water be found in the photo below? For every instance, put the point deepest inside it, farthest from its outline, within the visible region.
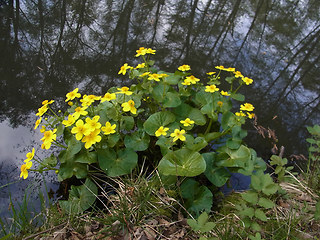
(48, 48)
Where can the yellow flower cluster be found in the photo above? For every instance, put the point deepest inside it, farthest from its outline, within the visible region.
(143, 51)
(246, 107)
(190, 80)
(237, 74)
(28, 164)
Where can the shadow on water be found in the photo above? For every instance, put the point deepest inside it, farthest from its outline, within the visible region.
(50, 47)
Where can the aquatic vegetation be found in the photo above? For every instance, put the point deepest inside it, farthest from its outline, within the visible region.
(182, 127)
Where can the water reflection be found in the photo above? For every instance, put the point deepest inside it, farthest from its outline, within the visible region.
(49, 47)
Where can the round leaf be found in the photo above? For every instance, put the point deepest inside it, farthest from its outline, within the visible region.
(157, 120)
(117, 163)
(182, 162)
(138, 141)
(80, 197)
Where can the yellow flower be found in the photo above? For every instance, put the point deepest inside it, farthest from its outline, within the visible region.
(238, 74)
(91, 138)
(72, 95)
(144, 74)
(223, 93)
(230, 69)
(37, 123)
(247, 107)
(123, 69)
(93, 123)
(42, 110)
(161, 131)
(186, 82)
(69, 121)
(154, 76)
(211, 88)
(151, 51)
(210, 73)
(87, 100)
(141, 52)
(177, 134)
(141, 65)
(48, 138)
(163, 75)
(46, 102)
(29, 156)
(24, 170)
(220, 67)
(240, 114)
(187, 122)
(80, 129)
(124, 90)
(247, 80)
(129, 106)
(43, 129)
(192, 79)
(220, 103)
(70, 103)
(108, 97)
(184, 68)
(250, 115)
(108, 128)
(79, 111)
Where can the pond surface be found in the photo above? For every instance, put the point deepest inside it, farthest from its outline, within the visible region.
(50, 47)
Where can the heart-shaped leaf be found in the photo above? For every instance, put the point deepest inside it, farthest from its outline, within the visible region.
(80, 198)
(117, 163)
(182, 162)
(156, 120)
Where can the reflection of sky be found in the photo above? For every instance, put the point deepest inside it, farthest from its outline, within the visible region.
(14, 144)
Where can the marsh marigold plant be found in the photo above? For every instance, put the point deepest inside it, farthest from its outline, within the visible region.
(186, 122)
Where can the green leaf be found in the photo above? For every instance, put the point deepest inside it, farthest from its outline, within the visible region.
(255, 226)
(266, 203)
(137, 141)
(263, 182)
(230, 79)
(113, 139)
(117, 163)
(184, 111)
(216, 175)
(164, 144)
(233, 143)
(203, 97)
(250, 197)
(196, 144)
(229, 120)
(198, 197)
(256, 237)
(70, 167)
(248, 211)
(260, 215)
(237, 96)
(172, 99)
(234, 158)
(210, 110)
(74, 146)
(60, 130)
(156, 120)
(182, 162)
(127, 123)
(212, 136)
(172, 79)
(193, 224)
(87, 157)
(80, 198)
